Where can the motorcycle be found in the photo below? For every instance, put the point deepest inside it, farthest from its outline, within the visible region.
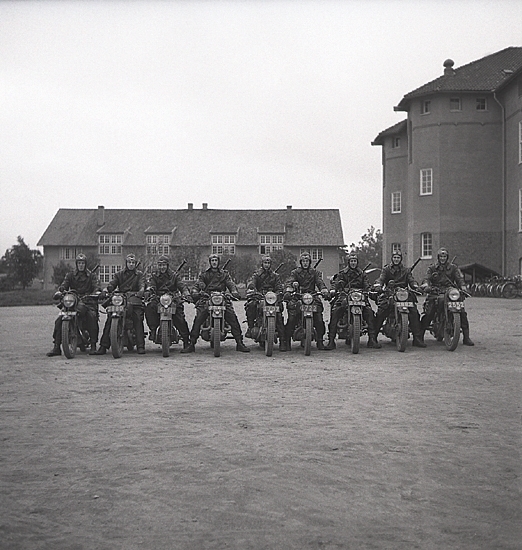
(74, 335)
(122, 328)
(264, 331)
(215, 328)
(304, 330)
(167, 334)
(396, 326)
(447, 321)
(351, 326)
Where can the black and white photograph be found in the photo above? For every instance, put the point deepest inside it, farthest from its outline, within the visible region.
(260, 275)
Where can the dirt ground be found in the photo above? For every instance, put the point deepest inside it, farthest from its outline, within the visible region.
(381, 450)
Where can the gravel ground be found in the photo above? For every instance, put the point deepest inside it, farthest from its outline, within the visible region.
(380, 450)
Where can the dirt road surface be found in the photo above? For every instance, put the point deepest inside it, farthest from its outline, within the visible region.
(381, 450)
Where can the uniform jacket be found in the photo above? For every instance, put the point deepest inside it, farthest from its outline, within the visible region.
(216, 279)
(264, 280)
(444, 276)
(84, 282)
(351, 278)
(308, 279)
(127, 281)
(398, 273)
(167, 281)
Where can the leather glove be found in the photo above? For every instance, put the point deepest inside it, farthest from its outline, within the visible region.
(57, 295)
(236, 295)
(325, 292)
(295, 284)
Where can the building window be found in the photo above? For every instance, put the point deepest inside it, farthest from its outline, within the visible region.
(426, 107)
(396, 142)
(270, 243)
(107, 273)
(223, 244)
(426, 245)
(110, 244)
(455, 104)
(481, 104)
(426, 181)
(520, 209)
(158, 245)
(396, 202)
(189, 274)
(520, 143)
(396, 248)
(67, 253)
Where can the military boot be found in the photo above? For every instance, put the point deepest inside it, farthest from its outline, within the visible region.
(55, 351)
(331, 343)
(467, 341)
(240, 346)
(372, 342)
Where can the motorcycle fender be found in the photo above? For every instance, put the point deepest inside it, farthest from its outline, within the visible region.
(165, 316)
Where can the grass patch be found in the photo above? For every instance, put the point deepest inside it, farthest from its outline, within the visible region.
(27, 297)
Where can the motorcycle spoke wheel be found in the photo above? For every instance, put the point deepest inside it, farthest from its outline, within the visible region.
(308, 336)
(165, 338)
(402, 332)
(452, 331)
(270, 336)
(117, 337)
(69, 338)
(356, 334)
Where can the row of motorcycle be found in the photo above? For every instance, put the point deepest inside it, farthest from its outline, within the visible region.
(498, 287)
(445, 327)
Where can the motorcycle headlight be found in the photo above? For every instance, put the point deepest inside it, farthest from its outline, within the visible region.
(271, 297)
(454, 294)
(117, 300)
(217, 299)
(402, 295)
(357, 296)
(69, 300)
(166, 300)
(307, 299)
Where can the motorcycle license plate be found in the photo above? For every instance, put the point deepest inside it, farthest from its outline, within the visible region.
(455, 306)
(356, 304)
(404, 304)
(308, 308)
(165, 310)
(216, 310)
(115, 309)
(270, 309)
(68, 313)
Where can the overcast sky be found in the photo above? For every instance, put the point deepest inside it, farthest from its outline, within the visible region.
(240, 104)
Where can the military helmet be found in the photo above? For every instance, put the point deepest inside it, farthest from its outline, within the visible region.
(163, 260)
(213, 256)
(304, 256)
(81, 258)
(130, 257)
(266, 258)
(352, 256)
(442, 250)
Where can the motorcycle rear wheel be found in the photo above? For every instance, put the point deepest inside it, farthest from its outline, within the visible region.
(402, 332)
(308, 336)
(69, 338)
(165, 338)
(216, 337)
(452, 331)
(117, 337)
(356, 334)
(270, 336)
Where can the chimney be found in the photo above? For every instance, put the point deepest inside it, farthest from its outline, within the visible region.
(101, 216)
(448, 67)
(205, 205)
(190, 206)
(288, 216)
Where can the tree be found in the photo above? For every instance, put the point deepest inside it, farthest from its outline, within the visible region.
(60, 270)
(369, 248)
(240, 267)
(22, 264)
(286, 258)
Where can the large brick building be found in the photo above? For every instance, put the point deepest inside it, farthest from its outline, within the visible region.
(110, 234)
(452, 171)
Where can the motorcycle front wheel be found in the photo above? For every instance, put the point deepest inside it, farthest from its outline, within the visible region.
(308, 335)
(270, 336)
(69, 338)
(117, 337)
(356, 334)
(452, 331)
(216, 336)
(165, 337)
(402, 332)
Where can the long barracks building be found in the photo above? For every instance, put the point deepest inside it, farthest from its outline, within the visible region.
(110, 234)
(452, 171)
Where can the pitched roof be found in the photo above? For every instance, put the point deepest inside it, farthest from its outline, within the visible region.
(488, 74)
(194, 227)
(391, 131)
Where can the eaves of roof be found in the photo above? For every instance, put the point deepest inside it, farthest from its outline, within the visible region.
(398, 128)
(487, 75)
